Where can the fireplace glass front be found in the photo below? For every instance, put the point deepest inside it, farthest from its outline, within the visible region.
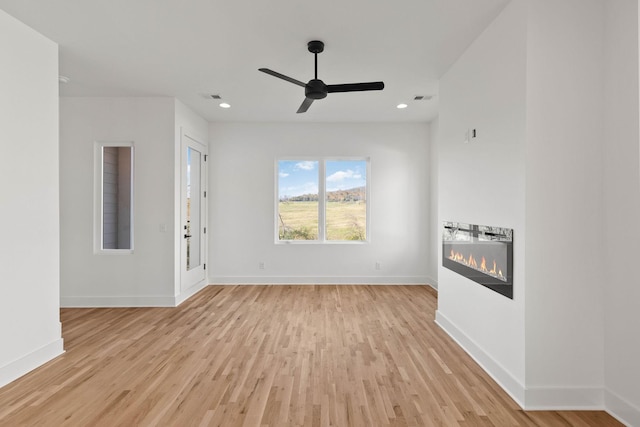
(481, 253)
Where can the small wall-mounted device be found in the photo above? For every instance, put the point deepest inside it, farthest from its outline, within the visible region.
(469, 135)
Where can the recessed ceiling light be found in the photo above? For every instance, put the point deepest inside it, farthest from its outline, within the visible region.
(225, 105)
(401, 106)
(63, 79)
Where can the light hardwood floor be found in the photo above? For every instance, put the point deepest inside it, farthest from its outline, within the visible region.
(268, 356)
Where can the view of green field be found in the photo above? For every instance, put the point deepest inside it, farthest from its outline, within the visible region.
(298, 220)
(344, 220)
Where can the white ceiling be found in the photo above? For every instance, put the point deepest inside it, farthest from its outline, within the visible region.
(188, 48)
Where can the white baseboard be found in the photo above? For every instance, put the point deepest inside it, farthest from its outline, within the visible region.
(317, 280)
(564, 399)
(31, 361)
(542, 398)
(117, 301)
(620, 409)
(500, 375)
(185, 295)
(432, 282)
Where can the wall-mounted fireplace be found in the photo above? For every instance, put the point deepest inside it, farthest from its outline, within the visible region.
(481, 253)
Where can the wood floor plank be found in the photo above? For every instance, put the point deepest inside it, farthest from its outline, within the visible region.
(308, 355)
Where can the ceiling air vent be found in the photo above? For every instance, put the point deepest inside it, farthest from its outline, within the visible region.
(211, 96)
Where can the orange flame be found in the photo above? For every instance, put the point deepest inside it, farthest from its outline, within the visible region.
(493, 270)
(471, 262)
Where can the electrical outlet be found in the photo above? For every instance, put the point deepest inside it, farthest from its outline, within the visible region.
(377, 265)
(261, 265)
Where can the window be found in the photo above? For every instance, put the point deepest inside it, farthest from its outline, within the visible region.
(114, 197)
(322, 200)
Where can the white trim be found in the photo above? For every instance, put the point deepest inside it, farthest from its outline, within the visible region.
(14, 370)
(620, 409)
(98, 147)
(321, 280)
(529, 398)
(182, 297)
(117, 301)
(131, 301)
(432, 282)
(113, 251)
(509, 384)
(564, 399)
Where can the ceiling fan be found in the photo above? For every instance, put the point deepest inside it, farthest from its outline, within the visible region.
(317, 89)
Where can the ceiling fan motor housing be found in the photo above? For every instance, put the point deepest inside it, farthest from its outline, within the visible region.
(315, 89)
(315, 46)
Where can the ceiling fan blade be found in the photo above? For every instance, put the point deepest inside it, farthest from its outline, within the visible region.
(282, 76)
(355, 87)
(305, 105)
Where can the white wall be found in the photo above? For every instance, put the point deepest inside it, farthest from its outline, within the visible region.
(30, 331)
(482, 182)
(571, 184)
(564, 258)
(145, 277)
(621, 292)
(242, 204)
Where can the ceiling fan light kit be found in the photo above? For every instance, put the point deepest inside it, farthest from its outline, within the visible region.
(316, 88)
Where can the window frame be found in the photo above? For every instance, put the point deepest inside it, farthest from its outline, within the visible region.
(322, 200)
(98, 218)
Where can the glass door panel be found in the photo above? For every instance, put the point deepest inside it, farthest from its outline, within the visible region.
(194, 220)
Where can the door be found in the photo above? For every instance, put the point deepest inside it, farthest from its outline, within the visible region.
(193, 212)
